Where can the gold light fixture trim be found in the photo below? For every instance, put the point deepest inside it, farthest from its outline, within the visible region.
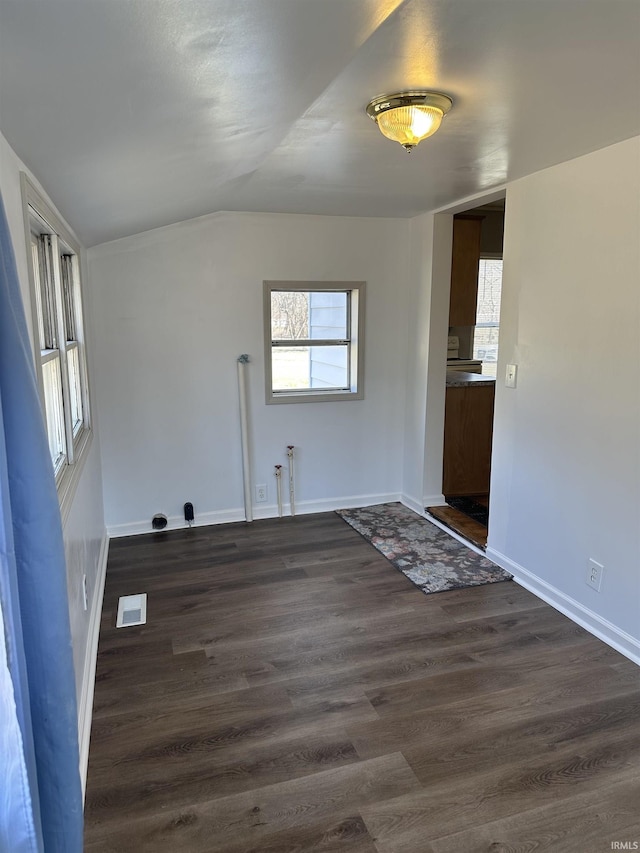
(409, 117)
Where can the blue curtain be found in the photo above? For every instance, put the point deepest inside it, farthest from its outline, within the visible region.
(40, 789)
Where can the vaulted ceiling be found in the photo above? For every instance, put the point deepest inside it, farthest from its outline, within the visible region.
(138, 113)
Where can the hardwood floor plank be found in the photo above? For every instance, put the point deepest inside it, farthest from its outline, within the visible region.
(585, 822)
(444, 688)
(472, 716)
(350, 631)
(491, 602)
(145, 746)
(401, 825)
(377, 674)
(189, 685)
(476, 747)
(216, 825)
(234, 633)
(148, 790)
(337, 835)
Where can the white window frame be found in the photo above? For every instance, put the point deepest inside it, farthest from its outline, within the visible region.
(354, 341)
(53, 240)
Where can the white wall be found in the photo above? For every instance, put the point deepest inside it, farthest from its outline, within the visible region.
(430, 274)
(565, 480)
(419, 283)
(84, 530)
(173, 309)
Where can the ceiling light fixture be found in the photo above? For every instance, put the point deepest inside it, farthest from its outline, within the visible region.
(409, 117)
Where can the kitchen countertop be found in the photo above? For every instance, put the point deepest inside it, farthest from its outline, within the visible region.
(460, 379)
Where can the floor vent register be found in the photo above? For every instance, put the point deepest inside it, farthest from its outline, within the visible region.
(132, 610)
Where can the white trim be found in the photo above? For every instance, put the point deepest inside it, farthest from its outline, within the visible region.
(433, 500)
(177, 522)
(601, 628)
(77, 447)
(348, 502)
(355, 342)
(474, 200)
(72, 471)
(85, 705)
(412, 503)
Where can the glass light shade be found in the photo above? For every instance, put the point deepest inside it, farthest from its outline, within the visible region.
(409, 117)
(409, 125)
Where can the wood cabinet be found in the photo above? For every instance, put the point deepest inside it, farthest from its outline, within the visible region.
(465, 260)
(468, 434)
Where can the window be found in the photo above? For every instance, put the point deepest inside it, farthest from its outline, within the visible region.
(314, 341)
(485, 338)
(59, 339)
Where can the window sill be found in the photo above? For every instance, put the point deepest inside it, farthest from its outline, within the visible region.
(68, 483)
(280, 397)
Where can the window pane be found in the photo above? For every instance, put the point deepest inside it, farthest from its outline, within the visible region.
(290, 367)
(44, 287)
(75, 390)
(47, 292)
(289, 315)
(485, 348)
(330, 367)
(300, 368)
(54, 412)
(35, 261)
(66, 271)
(328, 315)
(489, 291)
(485, 338)
(304, 315)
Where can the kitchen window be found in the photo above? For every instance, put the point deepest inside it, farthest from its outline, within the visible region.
(314, 341)
(487, 328)
(56, 299)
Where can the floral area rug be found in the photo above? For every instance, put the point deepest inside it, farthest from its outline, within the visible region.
(429, 557)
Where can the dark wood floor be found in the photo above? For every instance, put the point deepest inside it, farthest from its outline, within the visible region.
(472, 530)
(293, 692)
(467, 527)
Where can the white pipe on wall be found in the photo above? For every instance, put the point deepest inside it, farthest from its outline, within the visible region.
(291, 486)
(243, 360)
(279, 488)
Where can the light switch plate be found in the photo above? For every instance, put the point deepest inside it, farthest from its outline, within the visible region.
(511, 376)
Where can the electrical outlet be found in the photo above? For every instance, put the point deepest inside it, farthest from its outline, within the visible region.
(261, 493)
(594, 575)
(511, 376)
(85, 600)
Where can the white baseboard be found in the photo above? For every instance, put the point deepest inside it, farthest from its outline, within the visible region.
(601, 628)
(411, 503)
(177, 522)
(85, 705)
(434, 500)
(345, 502)
(419, 505)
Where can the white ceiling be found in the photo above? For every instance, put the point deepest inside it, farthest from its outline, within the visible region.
(138, 113)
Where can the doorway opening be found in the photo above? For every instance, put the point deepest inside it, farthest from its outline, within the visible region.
(472, 359)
